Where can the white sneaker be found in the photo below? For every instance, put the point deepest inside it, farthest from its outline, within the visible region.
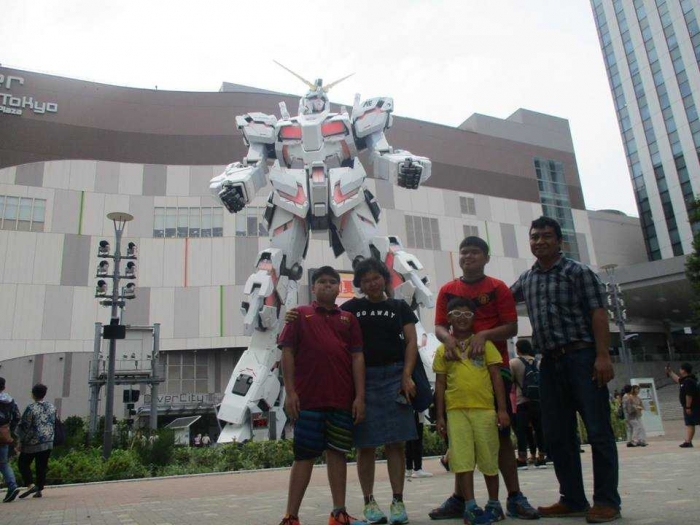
(408, 473)
(422, 474)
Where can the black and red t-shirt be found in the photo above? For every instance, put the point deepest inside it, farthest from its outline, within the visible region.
(495, 306)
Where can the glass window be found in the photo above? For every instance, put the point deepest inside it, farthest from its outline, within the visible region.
(11, 212)
(218, 222)
(25, 214)
(195, 222)
(410, 232)
(182, 220)
(159, 222)
(170, 222)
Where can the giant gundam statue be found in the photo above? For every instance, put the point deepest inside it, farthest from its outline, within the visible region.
(318, 184)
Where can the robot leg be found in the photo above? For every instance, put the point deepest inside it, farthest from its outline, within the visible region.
(254, 398)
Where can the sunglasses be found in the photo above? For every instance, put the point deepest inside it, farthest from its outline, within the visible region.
(461, 313)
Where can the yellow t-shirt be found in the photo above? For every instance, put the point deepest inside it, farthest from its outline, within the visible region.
(468, 380)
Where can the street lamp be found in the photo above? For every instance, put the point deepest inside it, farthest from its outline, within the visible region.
(618, 315)
(117, 300)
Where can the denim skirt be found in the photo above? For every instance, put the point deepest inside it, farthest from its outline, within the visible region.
(386, 420)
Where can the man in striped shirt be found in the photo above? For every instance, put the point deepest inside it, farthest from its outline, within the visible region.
(566, 305)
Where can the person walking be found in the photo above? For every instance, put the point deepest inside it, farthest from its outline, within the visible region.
(495, 320)
(528, 416)
(36, 432)
(625, 406)
(633, 414)
(566, 304)
(324, 379)
(689, 397)
(414, 449)
(9, 419)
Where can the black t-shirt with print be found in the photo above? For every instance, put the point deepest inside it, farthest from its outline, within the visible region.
(382, 328)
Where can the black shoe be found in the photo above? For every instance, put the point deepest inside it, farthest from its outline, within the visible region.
(11, 495)
(37, 495)
(630, 445)
(685, 444)
(33, 490)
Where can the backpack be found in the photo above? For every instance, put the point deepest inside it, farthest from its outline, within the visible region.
(59, 433)
(531, 380)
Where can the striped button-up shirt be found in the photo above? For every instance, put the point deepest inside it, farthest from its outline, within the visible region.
(560, 301)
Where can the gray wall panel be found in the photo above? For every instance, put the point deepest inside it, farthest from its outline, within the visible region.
(76, 261)
(452, 207)
(510, 244)
(66, 211)
(483, 207)
(186, 322)
(525, 212)
(58, 312)
(67, 373)
(30, 174)
(137, 311)
(583, 248)
(38, 369)
(199, 180)
(246, 256)
(519, 266)
(396, 224)
(154, 179)
(142, 210)
(385, 194)
(107, 177)
(443, 269)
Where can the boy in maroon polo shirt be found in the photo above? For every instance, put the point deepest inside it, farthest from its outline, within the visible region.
(324, 377)
(495, 320)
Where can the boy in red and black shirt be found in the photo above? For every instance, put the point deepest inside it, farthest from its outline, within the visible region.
(495, 320)
(324, 379)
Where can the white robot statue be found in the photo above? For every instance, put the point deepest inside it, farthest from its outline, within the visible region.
(317, 184)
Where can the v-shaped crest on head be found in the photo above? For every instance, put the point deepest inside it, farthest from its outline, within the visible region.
(311, 85)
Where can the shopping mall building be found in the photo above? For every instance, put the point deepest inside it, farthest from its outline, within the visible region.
(73, 151)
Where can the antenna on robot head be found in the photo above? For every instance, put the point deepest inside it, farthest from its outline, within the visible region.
(314, 86)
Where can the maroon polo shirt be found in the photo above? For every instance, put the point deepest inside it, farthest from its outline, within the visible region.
(323, 341)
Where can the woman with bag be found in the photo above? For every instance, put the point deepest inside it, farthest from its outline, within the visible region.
(36, 434)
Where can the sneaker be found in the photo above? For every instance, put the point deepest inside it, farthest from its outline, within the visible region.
(602, 514)
(290, 520)
(343, 518)
(522, 464)
(10, 495)
(37, 495)
(33, 489)
(643, 444)
(561, 510)
(450, 509)
(420, 473)
(409, 473)
(477, 516)
(630, 445)
(496, 511)
(685, 444)
(373, 514)
(397, 513)
(540, 463)
(519, 507)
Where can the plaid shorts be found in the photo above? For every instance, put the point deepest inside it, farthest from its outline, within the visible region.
(318, 430)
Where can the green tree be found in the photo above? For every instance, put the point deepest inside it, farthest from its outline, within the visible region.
(692, 265)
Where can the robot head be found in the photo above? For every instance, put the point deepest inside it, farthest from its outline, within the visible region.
(315, 101)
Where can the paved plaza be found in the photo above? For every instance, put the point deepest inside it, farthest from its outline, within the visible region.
(659, 484)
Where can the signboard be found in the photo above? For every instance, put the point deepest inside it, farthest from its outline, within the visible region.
(651, 417)
(346, 290)
(11, 104)
(186, 398)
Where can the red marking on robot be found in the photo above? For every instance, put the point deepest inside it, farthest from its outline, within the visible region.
(375, 110)
(285, 155)
(290, 133)
(333, 128)
(338, 196)
(346, 149)
(317, 174)
(299, 198)
(286, 226)
(396, 279)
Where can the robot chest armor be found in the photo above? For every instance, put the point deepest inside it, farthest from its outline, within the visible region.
(305, 142)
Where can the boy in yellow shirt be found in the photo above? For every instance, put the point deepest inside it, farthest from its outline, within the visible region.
(464, 390)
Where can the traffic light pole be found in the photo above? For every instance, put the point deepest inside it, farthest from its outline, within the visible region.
(617, 304)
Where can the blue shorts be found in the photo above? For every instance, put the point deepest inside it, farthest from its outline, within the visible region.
(318, 430)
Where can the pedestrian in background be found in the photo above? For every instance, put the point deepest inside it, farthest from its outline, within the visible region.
(689, 397)
(414, 449)
(9, 419)
(566, 303)
(626, 402)
(36, 432)
(633, 415)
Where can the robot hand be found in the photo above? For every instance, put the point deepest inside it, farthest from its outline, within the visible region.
(231, 196)
(409, 173)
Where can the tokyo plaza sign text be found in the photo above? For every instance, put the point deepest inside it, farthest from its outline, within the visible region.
(15, 105)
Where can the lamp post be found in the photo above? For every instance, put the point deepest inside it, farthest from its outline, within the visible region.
(115, 330)
(618, 314)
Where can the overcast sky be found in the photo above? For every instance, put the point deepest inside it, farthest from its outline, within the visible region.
(441, 61)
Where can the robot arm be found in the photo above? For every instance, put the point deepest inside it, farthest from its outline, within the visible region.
(370, 119)
(239, 183)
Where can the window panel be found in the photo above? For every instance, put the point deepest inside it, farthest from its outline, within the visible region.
(159, 222)
(182, 221)
(206, 222)
(217, 222)
(195, 222)
(170, 222)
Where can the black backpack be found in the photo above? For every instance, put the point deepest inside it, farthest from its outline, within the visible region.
(531, 380)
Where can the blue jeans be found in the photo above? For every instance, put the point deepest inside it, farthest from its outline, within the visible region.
(567, 387)
(6, 469)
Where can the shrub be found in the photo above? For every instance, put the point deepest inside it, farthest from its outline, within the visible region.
(124, 464)
(76, 467)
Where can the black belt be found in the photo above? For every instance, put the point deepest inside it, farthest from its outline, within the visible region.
(569, 348)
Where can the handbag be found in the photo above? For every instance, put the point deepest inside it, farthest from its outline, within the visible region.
(5, 435)
(424, 394)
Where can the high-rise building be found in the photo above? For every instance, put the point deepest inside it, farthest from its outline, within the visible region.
(651, 50)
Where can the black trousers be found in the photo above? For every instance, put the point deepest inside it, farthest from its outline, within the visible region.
(414, 449)
(25, 467)
(529, 414)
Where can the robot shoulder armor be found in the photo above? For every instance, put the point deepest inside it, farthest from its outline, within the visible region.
(257, 127)
(372, 116)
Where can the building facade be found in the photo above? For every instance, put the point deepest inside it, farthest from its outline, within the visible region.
(99, 148)
(651, 50)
